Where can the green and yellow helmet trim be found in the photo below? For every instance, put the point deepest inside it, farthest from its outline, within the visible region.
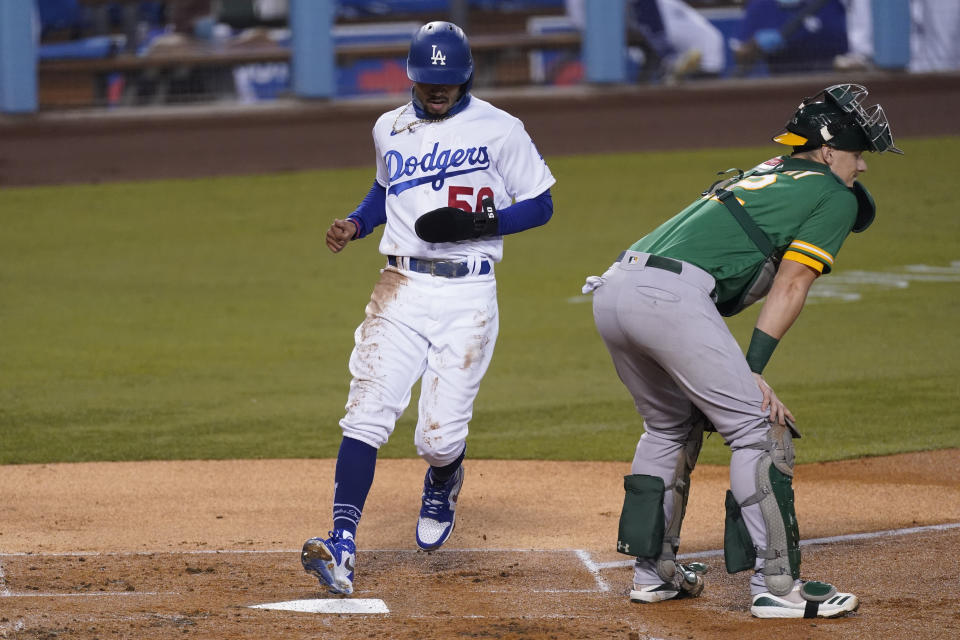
(837, 118)
(791, 139)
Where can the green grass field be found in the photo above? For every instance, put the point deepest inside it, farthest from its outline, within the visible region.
(206, 319)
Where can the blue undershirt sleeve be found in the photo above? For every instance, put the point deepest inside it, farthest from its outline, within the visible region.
(371, 212)
(526, 214)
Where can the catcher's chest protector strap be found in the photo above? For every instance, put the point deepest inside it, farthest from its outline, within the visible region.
(763, 277)
(754, 232)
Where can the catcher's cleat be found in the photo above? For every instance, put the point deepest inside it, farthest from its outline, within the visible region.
(806, 600)
(653, 592)
(438, 511)
(331, 561)
(689, 584)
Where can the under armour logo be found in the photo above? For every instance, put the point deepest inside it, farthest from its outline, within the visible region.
(623, 547)
(438, 56)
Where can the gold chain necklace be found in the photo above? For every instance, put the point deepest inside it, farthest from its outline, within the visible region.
(409, 126)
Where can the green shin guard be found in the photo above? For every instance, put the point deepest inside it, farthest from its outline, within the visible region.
(774, 496)
(739, 553)
(782, 557)
(641, 521)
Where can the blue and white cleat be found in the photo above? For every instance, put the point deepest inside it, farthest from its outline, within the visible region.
(331, 561)
(438, 512)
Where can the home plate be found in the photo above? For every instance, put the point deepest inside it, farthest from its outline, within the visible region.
(328, 605)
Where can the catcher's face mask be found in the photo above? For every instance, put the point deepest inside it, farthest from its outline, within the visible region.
(837, 118)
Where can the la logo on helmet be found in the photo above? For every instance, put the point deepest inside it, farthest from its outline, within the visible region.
(438, 56)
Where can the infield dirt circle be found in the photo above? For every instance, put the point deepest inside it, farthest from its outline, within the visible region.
(185, 549)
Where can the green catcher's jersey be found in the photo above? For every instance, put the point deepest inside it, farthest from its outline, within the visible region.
(803, 207)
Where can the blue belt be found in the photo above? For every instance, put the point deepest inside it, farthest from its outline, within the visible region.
(442, 268)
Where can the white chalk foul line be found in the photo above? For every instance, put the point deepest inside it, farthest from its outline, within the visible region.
(126, 554)
(95, 594)
(883, 534)
(212, 552)
(584, 556)
(805, 543)
(593, 568)
(3, 583)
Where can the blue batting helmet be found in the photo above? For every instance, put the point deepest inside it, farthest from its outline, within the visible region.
(440, 54)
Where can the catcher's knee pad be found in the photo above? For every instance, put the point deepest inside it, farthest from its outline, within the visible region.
(774, 496)
(663, 538)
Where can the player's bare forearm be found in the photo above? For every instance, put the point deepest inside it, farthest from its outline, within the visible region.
(786, 298)
(780, 310)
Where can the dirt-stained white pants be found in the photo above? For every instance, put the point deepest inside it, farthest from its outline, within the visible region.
(439, 330)
(673, 351)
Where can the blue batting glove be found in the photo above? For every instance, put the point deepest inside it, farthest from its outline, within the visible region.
(769, 40)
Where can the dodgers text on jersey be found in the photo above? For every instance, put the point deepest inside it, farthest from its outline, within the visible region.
(435, 164)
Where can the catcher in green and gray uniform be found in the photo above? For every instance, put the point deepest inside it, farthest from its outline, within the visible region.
(769, 232)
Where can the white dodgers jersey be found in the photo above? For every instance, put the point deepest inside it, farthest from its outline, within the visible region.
(477, 153)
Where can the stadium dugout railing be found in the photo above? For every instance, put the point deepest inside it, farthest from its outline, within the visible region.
(77, 81)
(197, 54)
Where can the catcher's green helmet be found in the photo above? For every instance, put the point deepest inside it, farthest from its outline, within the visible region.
(836, 117)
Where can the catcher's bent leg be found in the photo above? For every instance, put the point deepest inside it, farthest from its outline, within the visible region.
(780, 548)
(645, 533)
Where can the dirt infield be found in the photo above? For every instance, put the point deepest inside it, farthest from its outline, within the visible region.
(157, 549)
(185, 549)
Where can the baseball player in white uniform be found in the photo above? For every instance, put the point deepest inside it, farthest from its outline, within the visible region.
(454, 175)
